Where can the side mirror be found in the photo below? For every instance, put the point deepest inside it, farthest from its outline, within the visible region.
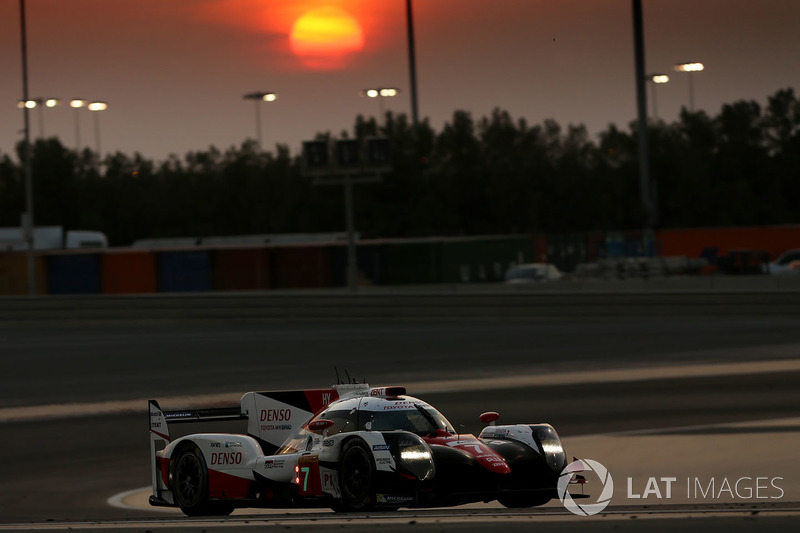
(489, 417)
(321, 424)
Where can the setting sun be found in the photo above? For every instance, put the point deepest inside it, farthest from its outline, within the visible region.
(323, 38)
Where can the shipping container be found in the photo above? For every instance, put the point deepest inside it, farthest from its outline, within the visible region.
(301, 267)
(14, 273)
(241, 269)
(567, 250)
(713, 242)
(128, 272)
(476, 260)
(69, 273)
(184, 271)
(369, 259)
(412, 262)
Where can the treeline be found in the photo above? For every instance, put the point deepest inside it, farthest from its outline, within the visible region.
(494, 175)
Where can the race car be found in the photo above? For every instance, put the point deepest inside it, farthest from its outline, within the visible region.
(351, 447)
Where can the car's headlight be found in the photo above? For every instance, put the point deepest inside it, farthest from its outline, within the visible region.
(551, 446)
(412, 454)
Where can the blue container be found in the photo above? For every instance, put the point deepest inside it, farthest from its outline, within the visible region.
(73, 274)
(370, 265)
(185, 271)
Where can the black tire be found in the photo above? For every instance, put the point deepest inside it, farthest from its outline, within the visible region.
(189, 483)
(356, 477)
(516, 500)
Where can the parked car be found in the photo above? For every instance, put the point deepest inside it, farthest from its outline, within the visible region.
(532, 273)
(786, 263)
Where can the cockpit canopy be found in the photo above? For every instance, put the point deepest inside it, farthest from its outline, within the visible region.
(373, 414)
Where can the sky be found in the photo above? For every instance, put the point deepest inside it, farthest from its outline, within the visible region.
(174, 72)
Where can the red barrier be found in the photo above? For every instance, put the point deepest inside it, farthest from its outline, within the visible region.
(241, 269)
(296, 267)
(128, 272)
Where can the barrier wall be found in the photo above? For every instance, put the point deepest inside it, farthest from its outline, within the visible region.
(424, 261)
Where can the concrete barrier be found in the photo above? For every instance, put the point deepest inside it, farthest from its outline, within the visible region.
(440, 303)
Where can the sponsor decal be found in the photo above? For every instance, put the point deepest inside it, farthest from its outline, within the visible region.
(327, 443)
(381, 447)
(392, 498)
(233, 444)
(278, 427)
(329, 481)
(273, 463)
(216, 445)
(326, 398)
(226, 458)
(383, 460)
(276, 415)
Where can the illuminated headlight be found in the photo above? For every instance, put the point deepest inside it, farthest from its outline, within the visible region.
(551, 446)
(415, 457)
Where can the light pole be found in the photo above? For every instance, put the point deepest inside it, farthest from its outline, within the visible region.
(96, 107)
(656, 79)
(380, 93)
(690, 68)
(76, 104)
(259, 97)
(27, 217)
(412, 61)
(41, 103)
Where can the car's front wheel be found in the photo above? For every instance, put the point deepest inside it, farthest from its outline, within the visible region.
(189, 483)
(356, 477)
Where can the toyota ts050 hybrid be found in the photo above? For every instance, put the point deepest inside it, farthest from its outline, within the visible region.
(351, 448)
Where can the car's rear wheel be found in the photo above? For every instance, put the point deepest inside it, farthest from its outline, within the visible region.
(356, 477)
(189, 483)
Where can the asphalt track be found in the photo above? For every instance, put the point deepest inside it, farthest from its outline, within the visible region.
(62, 471)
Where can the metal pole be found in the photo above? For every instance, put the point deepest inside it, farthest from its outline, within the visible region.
(41, 119)
(77, 129)
(97, 133)
(352, 267)
(258, 123)
(653, 95)
(28, 217)
(691, 91)
(641, 101)
(412, 61)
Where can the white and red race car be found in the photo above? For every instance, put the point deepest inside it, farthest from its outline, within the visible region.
(351, 447)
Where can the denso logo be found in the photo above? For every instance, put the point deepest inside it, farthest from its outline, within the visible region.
(276, 415)
(226, 458)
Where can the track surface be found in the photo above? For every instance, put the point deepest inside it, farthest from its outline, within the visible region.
(66, 469)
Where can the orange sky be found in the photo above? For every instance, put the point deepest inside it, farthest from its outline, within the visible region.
(174, 71)
(274, 19)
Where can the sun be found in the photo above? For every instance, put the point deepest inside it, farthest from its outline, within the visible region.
(324, 38)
